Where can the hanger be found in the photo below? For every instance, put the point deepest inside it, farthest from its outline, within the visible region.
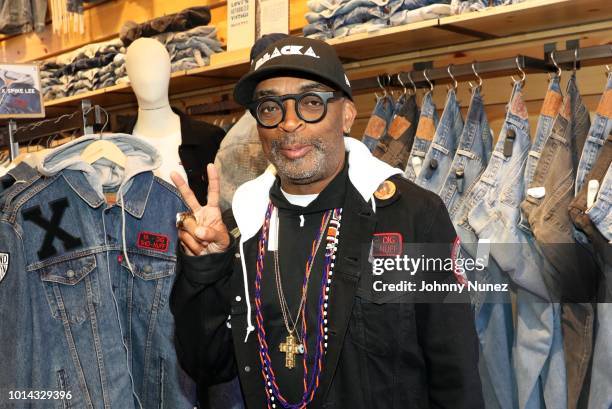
(399, 79)
(479, 84)
(412, 84)
(523, 75)
(103, 148)
(431, 85)
(575, 60)
(454, 86)
(380, 85)
(552, 58)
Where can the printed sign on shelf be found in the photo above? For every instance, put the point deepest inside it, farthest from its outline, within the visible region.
(20, 91)
(240, 24)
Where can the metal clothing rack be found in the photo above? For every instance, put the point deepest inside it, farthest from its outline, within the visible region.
(494, 68)
(83, 119)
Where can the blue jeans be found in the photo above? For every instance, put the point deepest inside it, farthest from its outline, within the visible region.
(428, 121)
(495, 216)
(601, 212)
(550, 109)
(600, 128)
(601, 375)
(443, 147)
(493, 322)
(379, 121)
(539, 362)
(471, 158)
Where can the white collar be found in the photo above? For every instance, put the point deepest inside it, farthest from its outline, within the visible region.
(251, 199)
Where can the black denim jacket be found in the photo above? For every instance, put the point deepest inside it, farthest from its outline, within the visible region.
(382, 354)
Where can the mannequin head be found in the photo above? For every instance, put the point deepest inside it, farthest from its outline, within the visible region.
(148, 67)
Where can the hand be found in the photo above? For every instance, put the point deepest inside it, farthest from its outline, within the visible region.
(207, 234)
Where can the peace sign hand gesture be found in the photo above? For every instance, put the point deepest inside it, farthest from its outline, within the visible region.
(207, 234)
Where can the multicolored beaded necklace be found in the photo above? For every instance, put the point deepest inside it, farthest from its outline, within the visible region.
(273, 394)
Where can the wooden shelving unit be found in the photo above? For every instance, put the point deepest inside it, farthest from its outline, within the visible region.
(468, 29)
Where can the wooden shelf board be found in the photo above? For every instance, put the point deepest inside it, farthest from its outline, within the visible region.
(534, 15)
(394, 40)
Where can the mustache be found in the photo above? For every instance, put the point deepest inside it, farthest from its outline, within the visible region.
(291, 140)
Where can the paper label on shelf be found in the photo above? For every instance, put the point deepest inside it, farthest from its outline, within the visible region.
(273, 17)
(240, 24)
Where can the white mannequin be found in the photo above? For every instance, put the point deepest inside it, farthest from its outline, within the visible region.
(148, 68)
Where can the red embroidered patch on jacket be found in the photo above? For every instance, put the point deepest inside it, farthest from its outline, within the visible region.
(153, 241)
(387, 244)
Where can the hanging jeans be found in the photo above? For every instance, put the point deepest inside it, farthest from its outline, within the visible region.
(428, 121)
(494, 216)
(574, 275)
(379, 121)
(601, 212)
(394, 148)
(550, 109)
(472, 156)
(443, 147)
(492, 318)
(600, 129)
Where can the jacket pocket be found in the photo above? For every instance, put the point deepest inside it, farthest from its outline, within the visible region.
(149, 283)
(70, 288)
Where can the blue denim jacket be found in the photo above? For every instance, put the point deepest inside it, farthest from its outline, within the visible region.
(22, 16)
(80, 314)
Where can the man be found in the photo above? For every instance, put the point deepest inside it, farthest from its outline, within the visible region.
(285, 301)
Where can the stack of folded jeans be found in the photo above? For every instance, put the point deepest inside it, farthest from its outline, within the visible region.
(327, 19)
(181, 21)
(88, 68)
(191, 48)
(466, 6)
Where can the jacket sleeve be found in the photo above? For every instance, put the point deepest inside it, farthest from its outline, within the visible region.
(15, 313)
(448, 338)
(200, 304)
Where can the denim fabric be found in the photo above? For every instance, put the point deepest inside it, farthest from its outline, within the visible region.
(493, 322)
(601, 376)
(426, 13)
(550, 109)
(319, 29)
(185, 64)
(539, 361)
(471, 158)
(359, 15)
(601, 212)
(85, 320)
(575, 272)
(184, 20)
(428, 121)
(325, 10)
(22, 16)
(600, 129)
(547, 211)
(357, 28)
(394, 148)
(578, 211)
(379, 121)
(500, 188)
(442, 150)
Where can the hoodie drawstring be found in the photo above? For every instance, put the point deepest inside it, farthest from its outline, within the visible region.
(250, 327)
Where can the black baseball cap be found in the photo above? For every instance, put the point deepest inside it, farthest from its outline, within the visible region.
(294, 57)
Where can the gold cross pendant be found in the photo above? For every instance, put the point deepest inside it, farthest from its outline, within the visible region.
(291, 348)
